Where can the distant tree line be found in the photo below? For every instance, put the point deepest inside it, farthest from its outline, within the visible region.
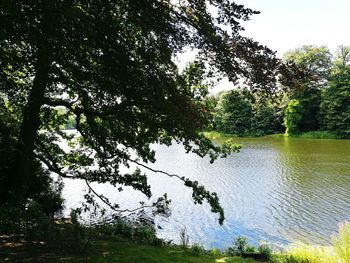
(319, 100)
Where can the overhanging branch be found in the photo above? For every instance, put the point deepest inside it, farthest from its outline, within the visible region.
(105, 201)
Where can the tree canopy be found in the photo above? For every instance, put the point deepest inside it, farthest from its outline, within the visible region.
(110, 65)
(316, 62)
(335, 109)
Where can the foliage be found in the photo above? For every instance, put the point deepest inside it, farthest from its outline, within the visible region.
(341, 243)
(215, 252)
(125, 229)
(32, 222)
(234, 113)
(110, 66)
(197, 250)
(309, 100)
(264, 119)
(73, 237)
(44, 200)
(342, 58)
(335, 109)
(240, 246)
(316, 62)
(243, 113)
(265, 250)
(293, 117)
(309, 75)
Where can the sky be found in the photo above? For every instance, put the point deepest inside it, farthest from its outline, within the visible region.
(288, 24)
(283, 25)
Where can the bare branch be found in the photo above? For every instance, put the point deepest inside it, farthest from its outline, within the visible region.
(105, 201)
(157, 171)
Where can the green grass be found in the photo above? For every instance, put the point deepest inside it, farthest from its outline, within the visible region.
(133, 253)
(107, 251)
(312, 254)
(338, 252)
(317, 135)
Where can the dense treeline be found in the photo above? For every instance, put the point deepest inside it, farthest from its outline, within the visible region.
(318, 101)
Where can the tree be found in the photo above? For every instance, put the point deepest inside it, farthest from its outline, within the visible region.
(242, 112)
(110, 65)
(335, 109)
(264, 117)
(234, 112)
(293, 117)
(316, 64)
(342, 58)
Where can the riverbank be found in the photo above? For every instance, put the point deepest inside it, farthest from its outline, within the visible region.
(107, 243)
(214, 135)
(106, 251)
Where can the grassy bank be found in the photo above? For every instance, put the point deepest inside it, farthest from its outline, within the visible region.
(317, 135)
(15, 249)
(110, 251)
(214, 135)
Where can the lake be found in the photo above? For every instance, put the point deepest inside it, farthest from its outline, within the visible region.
(276, 189)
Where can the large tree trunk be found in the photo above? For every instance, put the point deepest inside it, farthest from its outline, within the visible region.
(22, 166)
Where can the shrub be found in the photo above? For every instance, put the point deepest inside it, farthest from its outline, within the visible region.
(124, 229)
(197, 249)
(215, 252)
(265, 250)
(240, 246)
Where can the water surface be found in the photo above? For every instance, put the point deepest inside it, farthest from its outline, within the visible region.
(276, 189)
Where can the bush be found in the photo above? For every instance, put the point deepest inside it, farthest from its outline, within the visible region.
(123, 229)
(215, 252)
(197, 250)
(265, 250)
(30, 222)
(71, 237)
(239, 247)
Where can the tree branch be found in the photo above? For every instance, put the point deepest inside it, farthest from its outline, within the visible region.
(52, 166)
(105, 201)
(157, 171)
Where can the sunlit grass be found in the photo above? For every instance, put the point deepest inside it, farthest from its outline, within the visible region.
(317, 135)
(341, 242)
(339, 252)
(312, 254)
